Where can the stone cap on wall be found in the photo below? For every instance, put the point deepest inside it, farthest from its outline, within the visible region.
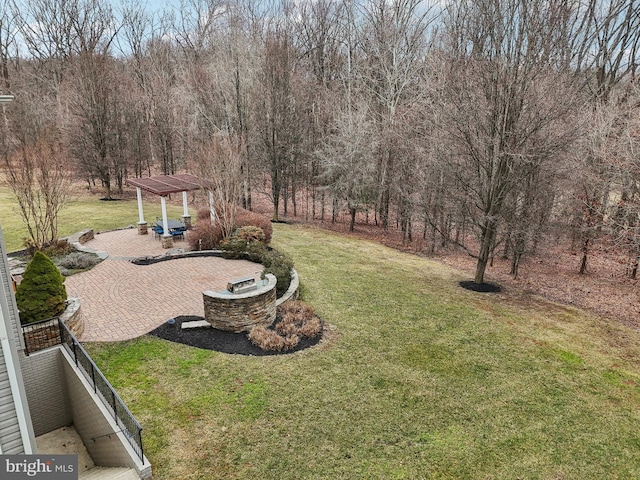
(263, 285)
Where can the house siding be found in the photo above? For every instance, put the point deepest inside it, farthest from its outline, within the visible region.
(5, 275)
(12, 397)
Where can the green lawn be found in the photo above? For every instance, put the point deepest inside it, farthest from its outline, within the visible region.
(424, 380)
(82, 212)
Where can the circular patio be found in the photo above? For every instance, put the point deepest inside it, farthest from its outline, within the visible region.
(120, 300)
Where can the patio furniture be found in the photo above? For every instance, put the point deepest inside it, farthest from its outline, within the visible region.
(157, 231)
(176, 228)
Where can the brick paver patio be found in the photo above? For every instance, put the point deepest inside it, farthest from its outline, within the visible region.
(120, 300)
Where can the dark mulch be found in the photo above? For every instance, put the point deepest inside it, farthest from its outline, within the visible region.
(219, 340)
(175, 256)
(485, 287)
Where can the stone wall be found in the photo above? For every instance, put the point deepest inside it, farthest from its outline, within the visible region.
(72, 317)
(292, 292)
(241, 312)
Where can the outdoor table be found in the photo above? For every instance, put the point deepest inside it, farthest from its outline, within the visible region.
(173, 225)
(176, 228)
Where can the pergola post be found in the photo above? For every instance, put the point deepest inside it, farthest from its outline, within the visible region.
(186, 218)
(167, 239)
(142, 225)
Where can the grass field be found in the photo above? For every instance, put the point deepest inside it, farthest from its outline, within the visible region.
(422, 380)
(86, 211)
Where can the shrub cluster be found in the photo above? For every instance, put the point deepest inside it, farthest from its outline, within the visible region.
(248, 234)
(245, 218)
(299, 317)
(298, 320)
(204, 236)
(204, 215)
(249, 239)
(54, 249)
(270, 340)
(58, 249)
(211, 235)
(79, 261)
(244, 241)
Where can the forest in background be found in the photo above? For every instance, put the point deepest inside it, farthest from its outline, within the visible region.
(482, 124)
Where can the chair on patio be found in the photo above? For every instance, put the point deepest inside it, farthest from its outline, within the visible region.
(177, 233)
(157, 231)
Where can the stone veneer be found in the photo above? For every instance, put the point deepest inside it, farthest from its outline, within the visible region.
(72, 317)
(241, 312)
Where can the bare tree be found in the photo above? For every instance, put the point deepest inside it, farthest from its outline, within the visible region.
(93, 124)
(219, 162)
(8, 45)
(39, 177)
(345, 157)
(394, 44)
(504, 106)
(277, 113)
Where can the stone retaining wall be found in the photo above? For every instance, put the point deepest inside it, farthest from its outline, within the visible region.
(241, 312)
(72, 317)
(293, 292)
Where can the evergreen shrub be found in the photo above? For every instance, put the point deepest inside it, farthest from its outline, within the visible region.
(41, 293)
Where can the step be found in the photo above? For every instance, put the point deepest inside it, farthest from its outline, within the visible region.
(196, 324)
(105, 473)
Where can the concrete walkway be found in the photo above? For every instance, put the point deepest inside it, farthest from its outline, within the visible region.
(120, 300)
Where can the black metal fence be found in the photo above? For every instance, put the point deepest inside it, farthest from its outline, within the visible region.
(48, 333)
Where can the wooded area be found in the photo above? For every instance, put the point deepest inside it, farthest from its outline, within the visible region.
(480, 123)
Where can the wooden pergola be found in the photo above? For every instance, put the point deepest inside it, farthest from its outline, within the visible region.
(163, 185)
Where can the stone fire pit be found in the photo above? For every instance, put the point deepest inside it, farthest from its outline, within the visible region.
(240, 312)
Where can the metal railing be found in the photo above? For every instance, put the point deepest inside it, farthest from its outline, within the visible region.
(48, 333)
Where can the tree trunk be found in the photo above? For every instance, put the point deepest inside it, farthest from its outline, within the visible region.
(486, 243)
(634, 270)
(585, 253)
(352, 212)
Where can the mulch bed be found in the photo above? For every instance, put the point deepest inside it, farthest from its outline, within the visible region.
(220, 340)
(485, 287)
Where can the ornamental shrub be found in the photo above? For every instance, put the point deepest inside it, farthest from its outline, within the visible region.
(299, 318)
(297, 321)
(242, 218)
(244, 241)
(280, 265)
(248, 234)
(245, 218)
(79, 261)
(203, 215)
(269, 340)
(42, 293)
(58, 248)
(204, 236)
